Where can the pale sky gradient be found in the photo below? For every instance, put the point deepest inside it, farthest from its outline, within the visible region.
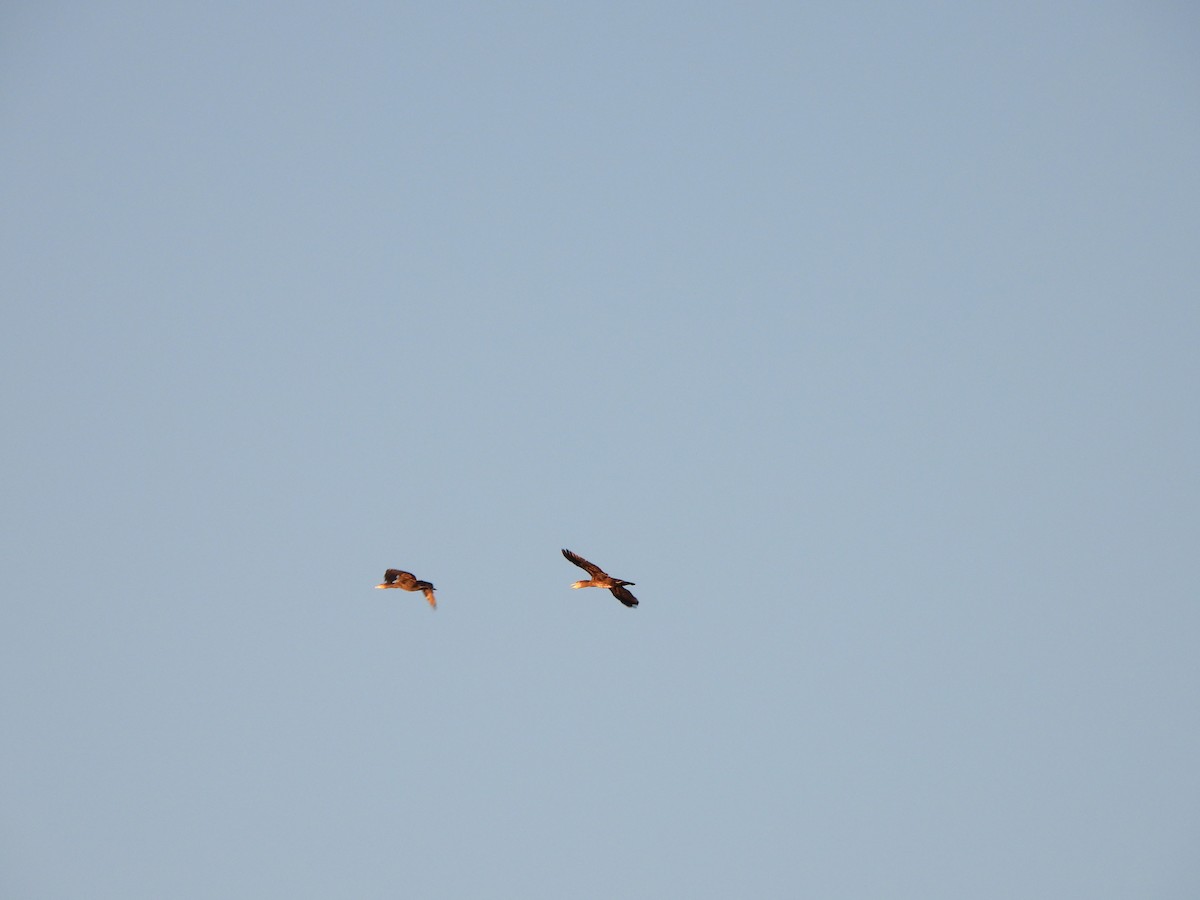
(862, 337)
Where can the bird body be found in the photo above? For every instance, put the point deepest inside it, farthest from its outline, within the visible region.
(601, 579)
(406, 581)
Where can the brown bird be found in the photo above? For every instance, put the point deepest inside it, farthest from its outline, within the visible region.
(394, 578)
(601, 579)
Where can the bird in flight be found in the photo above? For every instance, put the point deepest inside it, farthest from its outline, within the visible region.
(601, 579)
(405, 581)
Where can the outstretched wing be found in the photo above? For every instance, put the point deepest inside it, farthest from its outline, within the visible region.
(390, 576)
(591, 568)
(624, 596)
(428, 589)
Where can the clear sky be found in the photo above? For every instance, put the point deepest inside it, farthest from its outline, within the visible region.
(862, 337)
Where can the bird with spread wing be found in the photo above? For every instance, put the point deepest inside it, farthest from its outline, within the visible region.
(406, 581)
(601, 579)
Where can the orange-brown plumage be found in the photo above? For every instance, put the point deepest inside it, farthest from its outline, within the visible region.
(406, 581)
(601, 579)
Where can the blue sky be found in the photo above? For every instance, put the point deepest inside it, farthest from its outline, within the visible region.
(861, 337)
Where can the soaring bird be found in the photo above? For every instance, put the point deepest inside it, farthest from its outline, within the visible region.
(601, 579)
(394, 578)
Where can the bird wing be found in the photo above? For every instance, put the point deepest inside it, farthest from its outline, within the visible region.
(591, 568)
(624, 596)
(401, 578)
(428, 589)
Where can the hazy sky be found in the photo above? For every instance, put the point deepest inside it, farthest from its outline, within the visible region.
(862, 337)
